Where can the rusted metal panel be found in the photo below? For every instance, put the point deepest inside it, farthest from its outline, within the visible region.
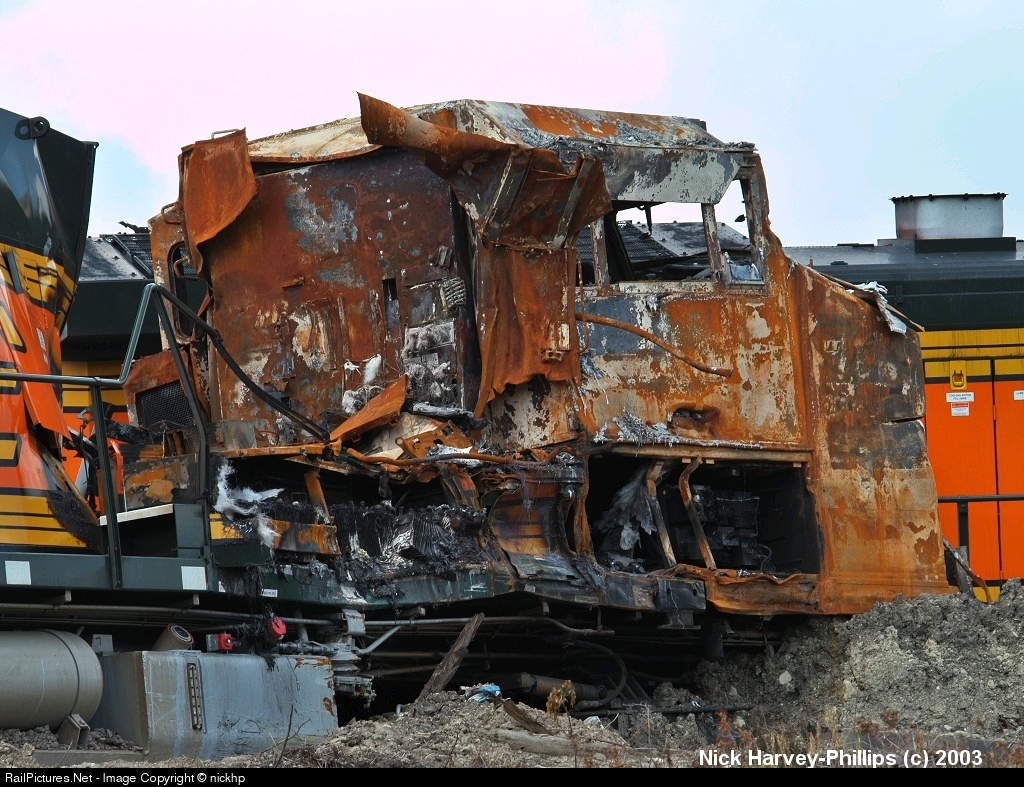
(320, 539)
(711, 427)
(877, 493)
(382, 409)
(309, 287)
(147, 373)
(729, 591)
(216, 184)
(150, 482)
(526, 318)
(640, 393)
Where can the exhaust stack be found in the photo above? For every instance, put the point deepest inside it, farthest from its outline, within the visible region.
(952, 222)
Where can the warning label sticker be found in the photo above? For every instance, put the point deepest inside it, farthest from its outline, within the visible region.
(960, 409)
(960, 396)
(1018, 395)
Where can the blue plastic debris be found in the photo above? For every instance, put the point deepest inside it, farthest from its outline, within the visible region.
(481, 692)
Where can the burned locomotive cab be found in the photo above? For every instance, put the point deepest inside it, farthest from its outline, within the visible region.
(433, 367)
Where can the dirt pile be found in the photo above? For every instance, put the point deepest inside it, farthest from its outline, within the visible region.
(934, 664)
(446, 730)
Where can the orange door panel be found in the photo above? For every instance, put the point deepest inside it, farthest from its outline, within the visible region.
(1009, 398)
(961, 446)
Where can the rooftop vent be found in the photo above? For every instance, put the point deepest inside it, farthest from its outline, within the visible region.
(952, 222)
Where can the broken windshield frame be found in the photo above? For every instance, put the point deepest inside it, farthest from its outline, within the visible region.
(616, 251)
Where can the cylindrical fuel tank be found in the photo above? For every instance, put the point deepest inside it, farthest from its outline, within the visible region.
(46, 676)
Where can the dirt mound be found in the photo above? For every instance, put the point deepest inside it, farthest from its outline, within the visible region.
(446, 730)
(934, 664)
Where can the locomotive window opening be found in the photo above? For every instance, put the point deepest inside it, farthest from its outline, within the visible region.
(743, 261)
(673, 242)
(756, 516)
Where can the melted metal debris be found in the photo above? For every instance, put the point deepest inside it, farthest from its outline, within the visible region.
(876, 293)
(633, 430)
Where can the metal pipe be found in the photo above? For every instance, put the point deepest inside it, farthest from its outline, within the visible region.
(400, 671)
(437, 655)
(379, 641)
(109, 492)
(174, 638)
(130, 611)
(580, 706)
(489, 622)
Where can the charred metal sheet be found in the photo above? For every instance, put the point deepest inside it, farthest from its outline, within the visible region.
(304, 537)
(147, 374)
(327, 330)
(750, 335)
(645, 158)
(150, 482)
(877, 489)
(324, 142)
(755, 594)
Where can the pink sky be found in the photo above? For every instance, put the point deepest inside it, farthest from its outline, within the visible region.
(849, 103)
(159, 76)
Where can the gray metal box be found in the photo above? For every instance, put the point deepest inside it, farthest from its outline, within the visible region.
(211, 706)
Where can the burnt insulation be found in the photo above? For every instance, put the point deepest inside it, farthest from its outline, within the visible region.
(382, 544)
(70, 510)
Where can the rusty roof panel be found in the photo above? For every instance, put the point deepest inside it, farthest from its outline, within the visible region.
(645, 157)
(540, 126)
(529, 125)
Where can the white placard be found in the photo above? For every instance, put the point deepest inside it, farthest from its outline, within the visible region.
(960, 396)
(18, 572)
(193, 578)
(960, 410)
(269, 592)
(1018, 396)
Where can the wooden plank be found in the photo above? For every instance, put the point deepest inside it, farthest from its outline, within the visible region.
(449, 665)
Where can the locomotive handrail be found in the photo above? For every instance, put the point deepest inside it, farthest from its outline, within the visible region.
(962, 516)
(96, 386)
